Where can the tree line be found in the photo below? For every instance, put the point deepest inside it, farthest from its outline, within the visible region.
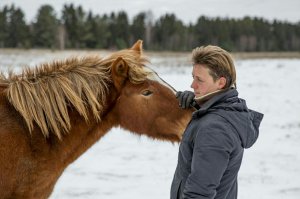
(79, 29)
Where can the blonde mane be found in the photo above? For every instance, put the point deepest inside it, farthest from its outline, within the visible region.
(44, 94)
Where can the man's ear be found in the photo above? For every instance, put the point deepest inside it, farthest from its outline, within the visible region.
(222, 82)
(138, 46)
(119, 72)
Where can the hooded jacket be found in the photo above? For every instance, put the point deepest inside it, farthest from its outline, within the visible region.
(211, 150)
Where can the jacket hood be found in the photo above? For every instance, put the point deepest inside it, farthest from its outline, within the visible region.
(245, 121)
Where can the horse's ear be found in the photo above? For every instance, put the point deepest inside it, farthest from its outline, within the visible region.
(138, 46)
(119, 72)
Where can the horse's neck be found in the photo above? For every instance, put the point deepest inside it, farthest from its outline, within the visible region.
(38, 161)
(81, 137)
(51, 156)
(86, 134)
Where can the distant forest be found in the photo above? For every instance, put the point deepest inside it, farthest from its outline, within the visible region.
(78, 29)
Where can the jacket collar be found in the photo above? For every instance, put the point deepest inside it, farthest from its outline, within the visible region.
(217, 98)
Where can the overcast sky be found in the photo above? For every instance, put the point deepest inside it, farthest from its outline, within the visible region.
(186, 10)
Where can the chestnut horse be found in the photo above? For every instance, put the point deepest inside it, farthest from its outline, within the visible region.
(51, 114)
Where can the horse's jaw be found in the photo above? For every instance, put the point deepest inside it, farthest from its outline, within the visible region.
(170, 130)
(161, 129)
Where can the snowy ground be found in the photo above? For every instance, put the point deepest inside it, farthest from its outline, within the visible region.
(123, 166)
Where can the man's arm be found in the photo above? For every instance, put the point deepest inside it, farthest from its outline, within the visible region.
(212, 148)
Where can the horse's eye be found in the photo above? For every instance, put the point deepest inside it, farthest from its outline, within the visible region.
(147, 92)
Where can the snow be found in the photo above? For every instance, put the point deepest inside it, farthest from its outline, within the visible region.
(123, 165)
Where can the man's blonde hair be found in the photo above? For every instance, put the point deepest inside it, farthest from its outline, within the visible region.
(218, 61)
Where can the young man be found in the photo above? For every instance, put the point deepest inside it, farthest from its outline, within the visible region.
(212, 146)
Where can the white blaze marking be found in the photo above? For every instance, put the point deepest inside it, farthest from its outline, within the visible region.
(154, 76)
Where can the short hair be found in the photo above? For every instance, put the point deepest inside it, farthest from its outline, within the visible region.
(218, 61)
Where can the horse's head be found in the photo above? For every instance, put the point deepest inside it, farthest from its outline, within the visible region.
(147, 104)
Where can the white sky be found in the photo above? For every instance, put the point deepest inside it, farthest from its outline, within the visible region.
(186, 10)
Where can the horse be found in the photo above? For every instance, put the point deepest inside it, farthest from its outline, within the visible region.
(52, 114)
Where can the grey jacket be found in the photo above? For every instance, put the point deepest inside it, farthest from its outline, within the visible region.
(211, 150)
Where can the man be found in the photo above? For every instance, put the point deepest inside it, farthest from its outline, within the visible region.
(212, 146)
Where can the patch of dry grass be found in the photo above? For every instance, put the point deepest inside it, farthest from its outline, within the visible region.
(266, 55)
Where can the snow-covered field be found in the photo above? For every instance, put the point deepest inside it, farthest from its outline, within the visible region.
(123, 166)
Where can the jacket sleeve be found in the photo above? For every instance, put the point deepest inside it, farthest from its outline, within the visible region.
(211, 153)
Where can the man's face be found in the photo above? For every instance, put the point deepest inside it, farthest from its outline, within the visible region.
(203, 83)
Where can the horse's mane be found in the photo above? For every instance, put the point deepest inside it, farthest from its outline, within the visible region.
(44, 94)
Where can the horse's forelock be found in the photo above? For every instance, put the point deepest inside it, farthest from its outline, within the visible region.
(136, 62)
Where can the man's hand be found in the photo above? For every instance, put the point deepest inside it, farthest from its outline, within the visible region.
(185, 98)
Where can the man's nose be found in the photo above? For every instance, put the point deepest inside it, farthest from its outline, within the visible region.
(193, 85)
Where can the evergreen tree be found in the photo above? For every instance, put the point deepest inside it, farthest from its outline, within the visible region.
(112, 29)
(17, 30)
(119, 30)
(167, 33)
(149, 21)
(101, 31)
(203, 31)
(247, 39)
(191, 41)
(296, 37)
(122, 30)
(3, 26)
(80, 30)
(45, 29)
(262, 33)
(69, 22)
(74, 22)
(138, 27)
(90, 31)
